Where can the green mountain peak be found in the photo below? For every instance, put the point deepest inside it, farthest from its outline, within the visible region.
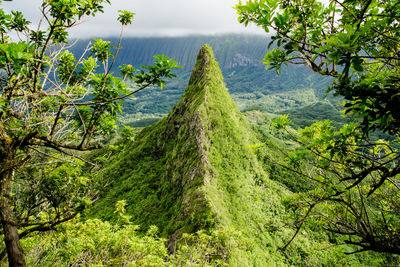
(194, 169)
(197, 169)
(206, 67)
(163, 172)
(205, 81)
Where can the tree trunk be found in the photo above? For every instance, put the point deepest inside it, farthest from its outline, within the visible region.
(11, 237)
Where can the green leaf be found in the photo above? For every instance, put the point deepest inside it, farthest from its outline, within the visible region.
(125, 17)
(357, 63)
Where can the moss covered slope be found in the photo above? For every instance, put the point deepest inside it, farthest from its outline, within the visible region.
(162, 174)
(196, 170)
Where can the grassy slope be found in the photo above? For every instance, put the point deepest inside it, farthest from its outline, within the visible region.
(195, 169)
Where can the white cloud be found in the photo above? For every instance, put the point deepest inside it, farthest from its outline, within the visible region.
(154, 17)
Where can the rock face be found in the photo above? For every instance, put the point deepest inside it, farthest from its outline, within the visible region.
(240, 60)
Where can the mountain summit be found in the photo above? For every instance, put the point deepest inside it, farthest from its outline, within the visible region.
(163, 174)
(197, 169)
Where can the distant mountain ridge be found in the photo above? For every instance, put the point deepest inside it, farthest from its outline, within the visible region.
(231, 53)
(232, 50)
(239, 57)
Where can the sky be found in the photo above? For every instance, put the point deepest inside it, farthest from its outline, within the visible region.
(153, 18)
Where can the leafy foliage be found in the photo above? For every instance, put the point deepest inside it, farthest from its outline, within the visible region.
(101, 243)
(98, 243)
(356, 43)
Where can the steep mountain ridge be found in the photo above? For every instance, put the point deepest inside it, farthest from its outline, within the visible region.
(183, 140)
(176, 146)
(197, 169)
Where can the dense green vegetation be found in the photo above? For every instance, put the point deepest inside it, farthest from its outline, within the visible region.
(323, 110)
(292, 180)
(356, 177)
(186, 173)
